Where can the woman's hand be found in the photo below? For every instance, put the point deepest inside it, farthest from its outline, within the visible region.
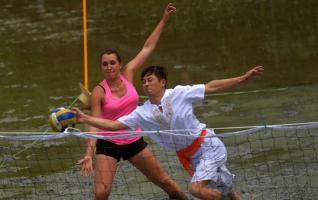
(86, 165)
(169, 9)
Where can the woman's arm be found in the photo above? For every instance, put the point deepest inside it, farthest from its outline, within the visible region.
(87, 162)
(219, 85)
(97, 98)
(149, 46)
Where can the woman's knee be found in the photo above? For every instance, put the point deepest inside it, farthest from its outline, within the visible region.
(162, 180)
(102, 191)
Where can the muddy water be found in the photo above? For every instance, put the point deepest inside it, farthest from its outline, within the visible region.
(41, 61)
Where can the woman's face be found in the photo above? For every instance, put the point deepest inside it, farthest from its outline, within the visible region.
(110, 66)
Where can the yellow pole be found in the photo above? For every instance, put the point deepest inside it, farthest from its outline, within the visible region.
(85, 46)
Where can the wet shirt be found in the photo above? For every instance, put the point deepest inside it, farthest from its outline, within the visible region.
(176, 115)
(114, 108)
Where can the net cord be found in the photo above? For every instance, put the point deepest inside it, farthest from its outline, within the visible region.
(128, 134)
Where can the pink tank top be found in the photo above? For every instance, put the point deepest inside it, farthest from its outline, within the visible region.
(115, 108)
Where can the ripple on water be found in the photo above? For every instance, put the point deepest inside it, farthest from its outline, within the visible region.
(12, 86)
(11, 119)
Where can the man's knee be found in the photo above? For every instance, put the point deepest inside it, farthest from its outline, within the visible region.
(200, 191)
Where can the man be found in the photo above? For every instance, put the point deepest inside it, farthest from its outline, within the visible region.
(202, 155)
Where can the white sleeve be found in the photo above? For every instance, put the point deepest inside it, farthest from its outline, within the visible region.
(192, 93)
(131, 120)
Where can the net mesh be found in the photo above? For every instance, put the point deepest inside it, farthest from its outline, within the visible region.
(270, 162)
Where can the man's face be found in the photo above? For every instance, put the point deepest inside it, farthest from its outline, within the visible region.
(152, 86)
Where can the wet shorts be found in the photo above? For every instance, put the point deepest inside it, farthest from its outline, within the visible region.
(120, 151)
(209, 163)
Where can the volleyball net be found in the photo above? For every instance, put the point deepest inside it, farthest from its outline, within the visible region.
(270, 162)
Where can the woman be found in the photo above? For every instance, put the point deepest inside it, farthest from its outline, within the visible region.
(114, 97)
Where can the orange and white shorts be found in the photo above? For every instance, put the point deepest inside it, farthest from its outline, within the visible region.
(208, 163)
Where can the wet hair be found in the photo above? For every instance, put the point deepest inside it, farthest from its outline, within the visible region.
(159, 71)
(111, 51)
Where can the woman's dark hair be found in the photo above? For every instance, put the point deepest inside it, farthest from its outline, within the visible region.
(158, 71)
(111, 51)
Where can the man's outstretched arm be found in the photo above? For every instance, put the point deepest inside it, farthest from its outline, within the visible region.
(98, 122)
(219, 85)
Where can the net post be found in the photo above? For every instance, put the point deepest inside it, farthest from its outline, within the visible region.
(85, 45)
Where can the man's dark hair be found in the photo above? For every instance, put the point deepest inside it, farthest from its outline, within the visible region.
(158, 71)
(111, 51)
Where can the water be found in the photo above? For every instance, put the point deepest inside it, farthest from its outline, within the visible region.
(42, 49)
(41, 57)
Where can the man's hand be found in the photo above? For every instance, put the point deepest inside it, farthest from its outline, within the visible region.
(255, 72)
(80, 116)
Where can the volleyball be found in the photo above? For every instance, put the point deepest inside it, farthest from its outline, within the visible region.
(61, 118)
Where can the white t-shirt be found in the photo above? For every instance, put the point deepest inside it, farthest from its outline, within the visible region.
(177, 106)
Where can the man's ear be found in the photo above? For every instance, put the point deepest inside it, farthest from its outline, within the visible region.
(163, 82)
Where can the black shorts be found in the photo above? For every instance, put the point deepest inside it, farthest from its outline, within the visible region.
(126, 151)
